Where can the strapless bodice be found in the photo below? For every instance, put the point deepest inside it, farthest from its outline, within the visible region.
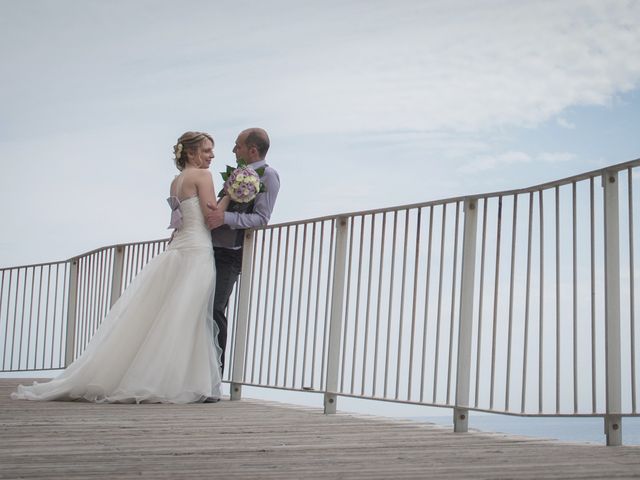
(194, 232)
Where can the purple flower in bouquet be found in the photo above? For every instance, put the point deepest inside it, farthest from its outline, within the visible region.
(242, 183)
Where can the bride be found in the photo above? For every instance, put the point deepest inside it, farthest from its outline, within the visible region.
(157, 344)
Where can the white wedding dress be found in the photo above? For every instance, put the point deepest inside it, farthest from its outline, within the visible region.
(157, 342)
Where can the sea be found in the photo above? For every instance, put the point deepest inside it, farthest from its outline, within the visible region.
(582, 429)
(567, 429)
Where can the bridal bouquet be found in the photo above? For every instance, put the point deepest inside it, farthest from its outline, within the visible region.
(242, 183)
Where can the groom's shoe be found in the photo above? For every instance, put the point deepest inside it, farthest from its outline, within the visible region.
(211, 400)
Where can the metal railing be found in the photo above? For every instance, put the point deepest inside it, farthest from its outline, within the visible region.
(519, 302)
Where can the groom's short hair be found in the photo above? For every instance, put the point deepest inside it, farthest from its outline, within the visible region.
(257, 137)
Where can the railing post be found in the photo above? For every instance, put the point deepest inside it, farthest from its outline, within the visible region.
(613, 420)
(116, 276)
(240, 339)
(71, 313)
(335, 325)
(460, 411)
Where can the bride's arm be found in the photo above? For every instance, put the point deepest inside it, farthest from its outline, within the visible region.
(204, 188)
(223, 203)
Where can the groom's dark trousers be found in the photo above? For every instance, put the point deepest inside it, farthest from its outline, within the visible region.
(228, 265)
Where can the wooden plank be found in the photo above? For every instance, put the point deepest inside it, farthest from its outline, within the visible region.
(257, 439)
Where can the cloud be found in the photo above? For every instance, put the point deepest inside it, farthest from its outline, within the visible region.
(435, 68)
(564, 123)
(485, 163)
(461, 66)
(105, 88)
(491, 162)
(503, 160)
(551, 157)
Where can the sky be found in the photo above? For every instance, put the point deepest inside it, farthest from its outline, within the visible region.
(369, 104)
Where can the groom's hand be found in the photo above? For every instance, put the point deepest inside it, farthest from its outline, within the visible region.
(214, 217)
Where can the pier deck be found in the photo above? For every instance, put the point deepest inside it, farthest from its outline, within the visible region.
(257, 439)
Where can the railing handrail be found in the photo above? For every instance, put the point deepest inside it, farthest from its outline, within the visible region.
(86, 254)
(461, 198)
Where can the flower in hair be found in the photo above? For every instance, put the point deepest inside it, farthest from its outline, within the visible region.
(177, 150)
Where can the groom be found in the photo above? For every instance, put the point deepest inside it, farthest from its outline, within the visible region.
(227, 228)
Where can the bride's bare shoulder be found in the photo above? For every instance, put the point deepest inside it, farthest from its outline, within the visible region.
(201, 175)
(195, 173)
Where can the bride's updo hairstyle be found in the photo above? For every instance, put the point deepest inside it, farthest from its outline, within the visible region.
(188, 142)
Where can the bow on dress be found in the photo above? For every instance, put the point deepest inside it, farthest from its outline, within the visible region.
(176, 214)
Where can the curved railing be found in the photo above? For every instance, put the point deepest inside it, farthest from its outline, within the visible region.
(517, 302)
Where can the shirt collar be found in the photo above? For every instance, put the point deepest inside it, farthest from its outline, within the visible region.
(258, 164)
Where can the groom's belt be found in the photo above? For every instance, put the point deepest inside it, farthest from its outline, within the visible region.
(225, 237)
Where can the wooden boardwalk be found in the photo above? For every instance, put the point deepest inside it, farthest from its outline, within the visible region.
(257, 439)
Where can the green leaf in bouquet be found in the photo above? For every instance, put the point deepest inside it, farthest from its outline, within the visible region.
(242, 163)
(260, 171)
(230, 169)
(262, 188)
(224, 175)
